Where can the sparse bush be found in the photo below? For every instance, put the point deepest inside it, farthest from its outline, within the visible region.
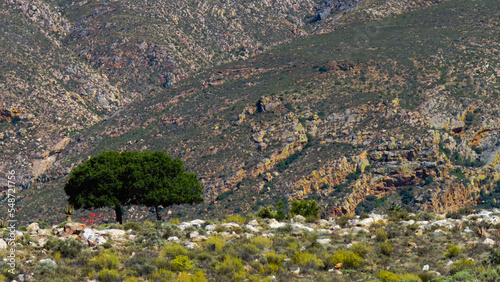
(132, 225)
(347, 259)
(231, 267)
(105, 260)
(69, 248)
(110, 275)
(163, 275)
(173, 250)
(307, 260)
(250, 248)
(215, 243)
(380, 235)
(235, 218)
(274, 261)
(494, 258)
(360, 249)
(262, 242)
(461, 265)
(182, 263)
(453, 251)
(305, 208)
(386, 248)
(387, 276)
(45, 266)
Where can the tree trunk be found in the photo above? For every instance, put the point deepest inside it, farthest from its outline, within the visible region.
(118, 211)
(158, 216)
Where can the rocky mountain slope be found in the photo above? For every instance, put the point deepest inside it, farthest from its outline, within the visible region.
(392, 104)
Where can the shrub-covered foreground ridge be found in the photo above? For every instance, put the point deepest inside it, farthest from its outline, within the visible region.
(457, 246)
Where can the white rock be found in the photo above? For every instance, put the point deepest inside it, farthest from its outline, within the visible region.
(353, 222)
(366, 222)
(325, 241)
(3, 244)
(254, 222)
(298, 218)
(252, 228)
(115, 233)
(194, 234)
(47, 261)
(191, 245)
(33, 227)
(490, 242)
(408, 222)
(211, 227)
(230, 225)
(425, 267)
(356, 230)
(275, 224)
(173, 239)
(301, 226)
(323, 222)
(44, 232)
(198, 222)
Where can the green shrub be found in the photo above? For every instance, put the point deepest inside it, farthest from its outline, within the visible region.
(105, 260)
(347, 259)
(267, 212)
(182, 263)
(69, 248)
(305, 208)
(110, 275)
(386, 248)
(162, 275)
(494, 258)
(215, 243)
(173, 250)
(380, 235)
(235, 218)
(261, 242)
(45, 266)
(461, 265)
(307, 260)
(274, 261)
(132, 225)
(250, 248)
(231, 267)
(360, 249)
(387, 276)
(453, 251)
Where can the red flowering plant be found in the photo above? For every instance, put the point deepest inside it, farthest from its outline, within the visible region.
(93, 219)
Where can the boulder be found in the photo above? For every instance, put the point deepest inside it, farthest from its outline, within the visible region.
(489, 242)
(72, 228)
(230, 225)
(3, 244)
(252, 228)
(275, 224)
(115, 233)
(254, 222)
(44, 232)
(211, 227)
(299, 218)
(325, 241)
(173, 239)
(33, 227)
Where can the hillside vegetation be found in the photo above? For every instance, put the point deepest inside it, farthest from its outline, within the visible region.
(388, 109)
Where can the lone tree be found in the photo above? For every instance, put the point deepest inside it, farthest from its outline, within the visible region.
(115, 179)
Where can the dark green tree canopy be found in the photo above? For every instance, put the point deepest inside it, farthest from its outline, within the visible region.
(115, 179)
